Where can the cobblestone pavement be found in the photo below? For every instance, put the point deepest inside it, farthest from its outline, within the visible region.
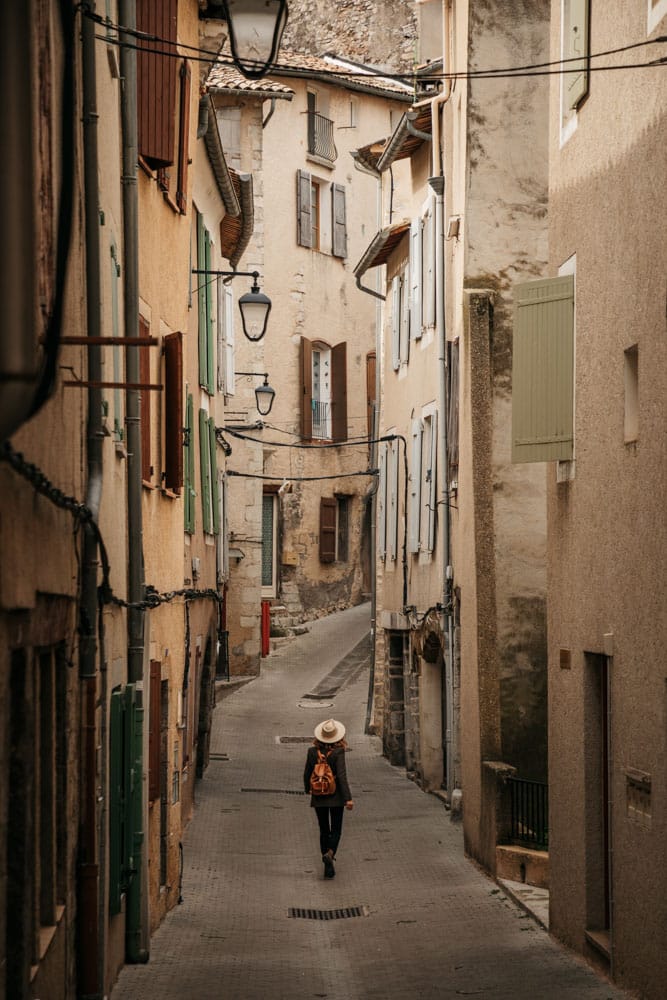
(432, 926)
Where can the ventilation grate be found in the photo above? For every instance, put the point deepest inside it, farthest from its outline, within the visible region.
(303, 913)
(275, 791)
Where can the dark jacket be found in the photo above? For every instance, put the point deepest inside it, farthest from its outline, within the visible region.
(336, 760)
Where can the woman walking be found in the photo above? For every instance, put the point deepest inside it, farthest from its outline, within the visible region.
(329, 741)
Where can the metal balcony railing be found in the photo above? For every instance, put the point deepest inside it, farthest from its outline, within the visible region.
(321, 137)
(321, 420)
(529, 813)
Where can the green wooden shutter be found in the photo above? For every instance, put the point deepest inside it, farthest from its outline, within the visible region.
(215, 495)
(209, 385)
(543, 371)
(202, 287)
(205, 470)
(189, 467)
(115, 799)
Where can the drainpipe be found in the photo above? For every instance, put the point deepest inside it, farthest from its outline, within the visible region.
(90, 887)
(136, 928)
(437, 183)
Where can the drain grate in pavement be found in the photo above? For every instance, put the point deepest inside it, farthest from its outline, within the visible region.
(295, 739)
(275, 791)
(346, 911)
(218, 756)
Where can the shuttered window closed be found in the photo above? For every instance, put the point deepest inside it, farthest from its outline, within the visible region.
(189, 467)
(339, 242)
(144, 378)
(543, 371)
(173, 418)
(304, 224)
(327, 529)
(339, 392)
(154, 731)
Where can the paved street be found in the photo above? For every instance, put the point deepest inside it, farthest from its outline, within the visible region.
(430, 924)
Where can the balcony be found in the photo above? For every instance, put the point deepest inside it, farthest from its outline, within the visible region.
(321, 137)
(321, 420)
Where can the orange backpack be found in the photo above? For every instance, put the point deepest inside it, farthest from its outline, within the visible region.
(322, 781)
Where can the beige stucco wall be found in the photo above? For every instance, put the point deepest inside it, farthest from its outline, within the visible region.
(607, 531)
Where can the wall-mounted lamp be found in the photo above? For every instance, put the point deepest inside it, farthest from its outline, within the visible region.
(264, 393)
(254, 305)
(255, 30)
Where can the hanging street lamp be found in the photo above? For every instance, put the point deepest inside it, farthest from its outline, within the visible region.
(254, 306)
(255, 31)
(264, 393)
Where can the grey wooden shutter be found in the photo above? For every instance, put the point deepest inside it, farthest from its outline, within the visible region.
(404, 332)
(415, 305)
(395, 322)
(414, 512)
(392, 500)
(339, 392)
(543, 371)
(306, 389)
(431, 477)
(382, 503)
(304, 222)
(339, 225)
(327, 529)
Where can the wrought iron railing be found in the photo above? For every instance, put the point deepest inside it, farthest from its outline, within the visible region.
(321, 137)
(529, 812)
(321, 420)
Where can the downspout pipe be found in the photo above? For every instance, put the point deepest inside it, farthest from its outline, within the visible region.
(437, 183)
(90, 888)
(136, 930)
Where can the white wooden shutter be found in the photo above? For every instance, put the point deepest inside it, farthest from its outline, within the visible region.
(415, 279)
(415, 486)
(428, 268)
(543, 370)
(430, 477)
(382, 503)
(404, 333)
(226, 373)
(392, 500)
(396, 323)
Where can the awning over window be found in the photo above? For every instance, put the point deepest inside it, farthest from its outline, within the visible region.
(413, 129)
(381, 246)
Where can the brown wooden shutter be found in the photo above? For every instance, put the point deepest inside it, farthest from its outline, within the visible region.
(339, 392)
(184, 137)
(173, 420)
(339, 224)
(327, 529)
(304, 222)
(154, 713)
(145, 377)
(370, 391)
(306, 389)
(156, 81)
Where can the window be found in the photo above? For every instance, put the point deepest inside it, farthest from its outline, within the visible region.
(321, 145)
(226, 342)
(205, 308)
(189, 467)
(543, 370)
(631, 381)
(422, 483)
(657, 9)
(574, 46)
(156, 81)
(210, 501)
(173, 418)
(324, 391)
(145, 378)
(321, 215)
(400, 319)
(269, 544)
(415, 485)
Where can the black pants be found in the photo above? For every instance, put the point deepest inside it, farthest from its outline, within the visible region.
(330, 819)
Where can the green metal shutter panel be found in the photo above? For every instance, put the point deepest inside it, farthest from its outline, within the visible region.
(201, 300)
(543, 371)
(189, 467)
(210, 332)
(215, 495)
(327, 529)
(205, 471)
(268, 508)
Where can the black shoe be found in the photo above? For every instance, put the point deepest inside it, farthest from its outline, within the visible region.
(329, 870)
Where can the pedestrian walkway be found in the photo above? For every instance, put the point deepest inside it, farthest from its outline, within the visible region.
(407, 916)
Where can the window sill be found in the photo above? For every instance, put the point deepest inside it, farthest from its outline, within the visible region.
(46, 936)
(170, 494)
(147, 485)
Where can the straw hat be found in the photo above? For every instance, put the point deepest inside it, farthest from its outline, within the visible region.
(330, 731)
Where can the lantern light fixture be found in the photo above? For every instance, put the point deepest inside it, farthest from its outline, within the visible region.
(255, 31)
(254, 306)
(264, 393)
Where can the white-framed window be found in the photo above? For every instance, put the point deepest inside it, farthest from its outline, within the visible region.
(415, 485)
(321, 397)
(575, 55)
(321, 215)
(657, 9)
(400, 318)
(269, 545)
(387, 501)
(429, 497)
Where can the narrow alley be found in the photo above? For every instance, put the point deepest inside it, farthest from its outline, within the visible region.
(414, 917)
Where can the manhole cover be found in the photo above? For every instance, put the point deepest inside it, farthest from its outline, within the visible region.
(341, 914)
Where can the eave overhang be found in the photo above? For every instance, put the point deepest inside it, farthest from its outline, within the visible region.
(412, 131)
(381, 247)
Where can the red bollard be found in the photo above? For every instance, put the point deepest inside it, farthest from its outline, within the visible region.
(266, 627)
